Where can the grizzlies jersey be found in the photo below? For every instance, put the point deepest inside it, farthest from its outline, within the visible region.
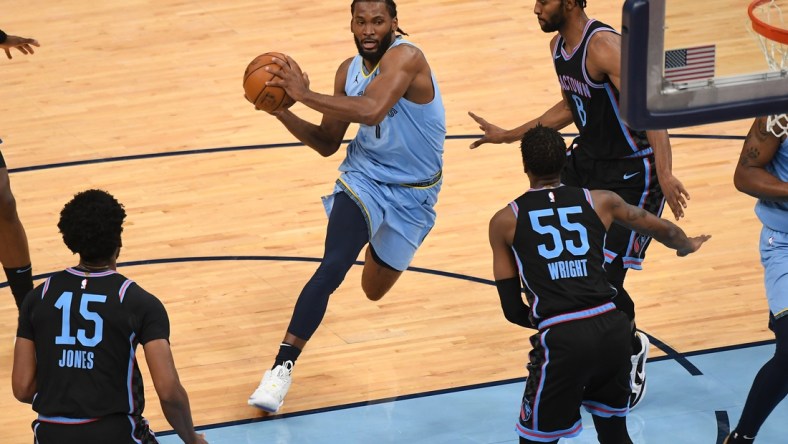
(407, 146)
(594, 104)
(558, 246)
(86, 327)
(772, 213)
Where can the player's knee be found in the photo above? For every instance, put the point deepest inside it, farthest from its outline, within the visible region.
(780, 327)
(332, 271)
(373, 291)
(378, 276)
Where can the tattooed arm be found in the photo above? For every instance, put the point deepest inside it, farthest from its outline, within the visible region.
(751, 176)
(611, 208)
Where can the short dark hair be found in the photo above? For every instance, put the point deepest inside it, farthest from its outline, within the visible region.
(390, 5)
(91, 224)
(544, 151)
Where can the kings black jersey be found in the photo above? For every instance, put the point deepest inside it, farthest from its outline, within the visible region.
(594, 103)
(558, 246)
(86, 327)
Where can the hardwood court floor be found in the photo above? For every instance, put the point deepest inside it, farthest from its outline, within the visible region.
(146, 78)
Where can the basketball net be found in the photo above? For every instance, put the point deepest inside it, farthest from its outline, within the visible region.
(769, 30)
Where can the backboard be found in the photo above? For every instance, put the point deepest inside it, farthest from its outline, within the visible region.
(688, 63)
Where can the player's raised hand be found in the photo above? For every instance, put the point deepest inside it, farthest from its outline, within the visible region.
(492, 133)
(23, 44)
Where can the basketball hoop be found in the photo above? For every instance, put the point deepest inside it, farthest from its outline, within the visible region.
(770, 31)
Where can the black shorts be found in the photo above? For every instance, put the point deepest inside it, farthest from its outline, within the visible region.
(584, 362)
(635, 180)
(120, 429)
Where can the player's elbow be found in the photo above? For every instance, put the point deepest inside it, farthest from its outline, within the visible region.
(740, 182)
(168, 386)
(372, 117)
(24, 392)
(170, 394)
(514, 316)
(519, 317)
(328, 149)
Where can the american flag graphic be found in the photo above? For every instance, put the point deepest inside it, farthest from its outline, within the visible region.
(686, 64)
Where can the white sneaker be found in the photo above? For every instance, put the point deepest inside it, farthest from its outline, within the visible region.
(270, 394)
(637, 375)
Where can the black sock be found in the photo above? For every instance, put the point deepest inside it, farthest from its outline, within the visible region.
(21, 282)
(287, 352)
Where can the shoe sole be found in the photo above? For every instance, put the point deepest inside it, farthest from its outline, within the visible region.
(265, 409)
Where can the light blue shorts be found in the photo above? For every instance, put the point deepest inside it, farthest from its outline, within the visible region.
(774, 257)
(399, 217)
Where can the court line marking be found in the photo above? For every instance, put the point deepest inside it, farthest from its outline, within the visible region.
(276, 145)
(670, 353)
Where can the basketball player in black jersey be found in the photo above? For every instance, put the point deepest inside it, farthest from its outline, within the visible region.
(74, 357)
(14, 251)
(552, 240)
(607, 154)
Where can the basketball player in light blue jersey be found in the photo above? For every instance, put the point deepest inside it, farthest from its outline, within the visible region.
(390, 178)
(762, 172)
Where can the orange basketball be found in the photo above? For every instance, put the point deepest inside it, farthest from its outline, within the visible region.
(266, 98)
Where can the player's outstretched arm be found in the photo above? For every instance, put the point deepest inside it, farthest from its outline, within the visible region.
(557, 117)
(23, 376)
(172, 395)
(751, 176)
(611, 207)
(23, 44)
